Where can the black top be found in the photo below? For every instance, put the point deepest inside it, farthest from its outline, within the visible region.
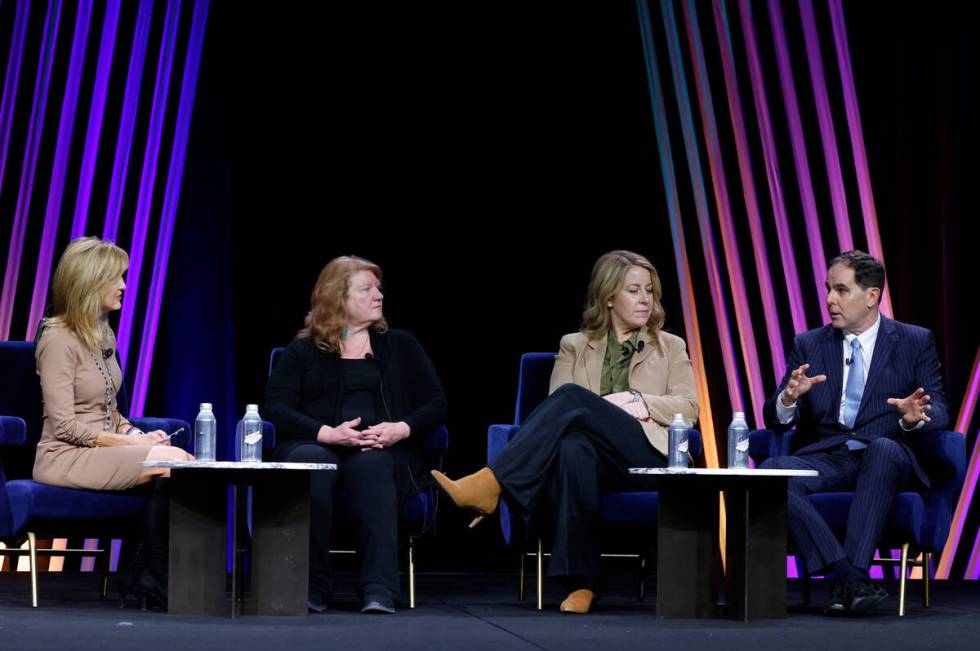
(362, 392)
(307, 387)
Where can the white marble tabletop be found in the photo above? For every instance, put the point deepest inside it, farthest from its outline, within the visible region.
(725, 472)
(240, 465)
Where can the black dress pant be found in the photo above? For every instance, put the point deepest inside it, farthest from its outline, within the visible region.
(377, 484)
(571, 448)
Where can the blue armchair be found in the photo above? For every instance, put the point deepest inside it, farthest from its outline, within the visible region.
(30, 510)
(634, 508)
(418, 516)
(920, 522)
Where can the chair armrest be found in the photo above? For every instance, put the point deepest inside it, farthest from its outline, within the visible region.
(184, 440)
(498, 436)
(434, 447)
(765, 443)
(695, 445)
(13, 430)
(943, 457)
(437, 440)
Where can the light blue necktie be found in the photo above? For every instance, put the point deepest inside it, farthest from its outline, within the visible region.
(854, 390)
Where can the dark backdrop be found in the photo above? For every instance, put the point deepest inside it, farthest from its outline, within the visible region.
(484, 156)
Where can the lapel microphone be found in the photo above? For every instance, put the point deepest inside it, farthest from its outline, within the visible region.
(847, 361)
(106, 353)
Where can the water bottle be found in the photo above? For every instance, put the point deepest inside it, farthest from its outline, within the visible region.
(738, 442)
(205, 427)
(677, 443)
(250, 435)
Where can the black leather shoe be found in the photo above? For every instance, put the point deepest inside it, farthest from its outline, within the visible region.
(316, 602)
(378, 603)
(862, 597)
(837, 606)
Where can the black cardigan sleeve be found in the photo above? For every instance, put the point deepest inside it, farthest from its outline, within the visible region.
(283, 398)
(427, 407)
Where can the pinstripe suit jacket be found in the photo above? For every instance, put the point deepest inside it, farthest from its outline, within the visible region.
(904, 359)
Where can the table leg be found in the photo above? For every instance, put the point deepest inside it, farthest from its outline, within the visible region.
(198, 558)
(755, 585)
(280, 544)
(687, 524)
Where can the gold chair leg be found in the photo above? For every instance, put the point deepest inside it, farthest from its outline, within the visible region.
(926, 569)
(540, 576)
(520, 585)
(643, 576)
(32, 548)
(411, 571)
(903, 577)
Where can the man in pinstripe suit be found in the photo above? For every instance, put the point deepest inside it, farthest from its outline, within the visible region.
(860, 392)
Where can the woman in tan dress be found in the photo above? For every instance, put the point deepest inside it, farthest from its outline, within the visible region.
(86, 442)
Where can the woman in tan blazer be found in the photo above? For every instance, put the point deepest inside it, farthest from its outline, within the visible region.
(85, 441)
(615, 387)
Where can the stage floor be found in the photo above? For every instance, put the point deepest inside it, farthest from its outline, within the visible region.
(472, 612)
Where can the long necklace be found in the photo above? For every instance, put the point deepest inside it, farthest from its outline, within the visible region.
(110, 388)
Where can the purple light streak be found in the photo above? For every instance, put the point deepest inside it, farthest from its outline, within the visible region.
(127, 122)
(95, 117)
(66, 126)
(701, 207)
(171, 199)
(148, 178)
(810, 217)
(743, 316)
(969, 480)
(41, 85)
(857, 141)
(688, 303)
(770, 314)
(838, 198)
(771, 158)
(11, 82)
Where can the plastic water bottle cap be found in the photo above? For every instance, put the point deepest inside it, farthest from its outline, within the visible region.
(205, 406)
(739, 415)
(251, 408)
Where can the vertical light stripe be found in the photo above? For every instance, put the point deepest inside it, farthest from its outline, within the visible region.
(825, 120)
(688, 303)
(770, 156)
(857, 142)
(973, 565)
(96, 115)
(701, 207)
(770, 314)
(970, 479)
(716, 165)
(811, 219)
(171, 198)
(56, 189)
(127, 121)
(35, 128)
(151, 158)
(11, 82)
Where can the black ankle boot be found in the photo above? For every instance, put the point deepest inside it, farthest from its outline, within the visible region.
(130, 568)
(153, 579)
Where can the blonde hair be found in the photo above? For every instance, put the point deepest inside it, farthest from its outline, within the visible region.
(608, 277)
(327, 319)
(87, 270)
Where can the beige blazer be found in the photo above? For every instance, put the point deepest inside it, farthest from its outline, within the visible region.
(661, 372)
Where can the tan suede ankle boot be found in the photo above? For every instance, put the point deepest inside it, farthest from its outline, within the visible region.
(479, 491)
(579, 601)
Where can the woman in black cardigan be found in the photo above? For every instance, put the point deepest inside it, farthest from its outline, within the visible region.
(352, 392)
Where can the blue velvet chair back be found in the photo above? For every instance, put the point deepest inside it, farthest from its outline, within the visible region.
(20, 396)
(533, 379)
